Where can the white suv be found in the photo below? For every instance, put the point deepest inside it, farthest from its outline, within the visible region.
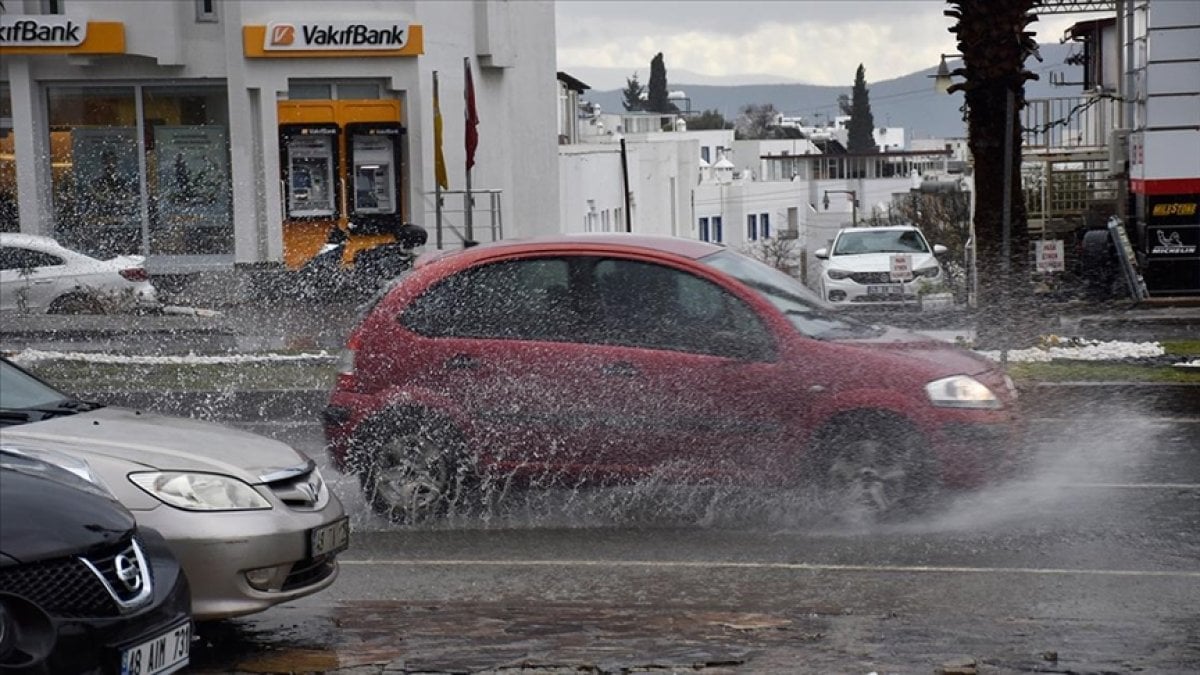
(878, 265)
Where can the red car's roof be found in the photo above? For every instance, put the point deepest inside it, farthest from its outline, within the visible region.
(688, 248)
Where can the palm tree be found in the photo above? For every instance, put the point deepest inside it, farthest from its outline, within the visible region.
(994, 45)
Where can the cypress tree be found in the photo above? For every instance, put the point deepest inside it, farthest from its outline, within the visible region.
(862, 122)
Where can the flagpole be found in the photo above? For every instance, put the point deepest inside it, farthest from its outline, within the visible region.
(437, 184)
(470, 201)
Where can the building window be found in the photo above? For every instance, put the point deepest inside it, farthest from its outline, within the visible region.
(158, 184)
(764, 225)
(324, 91)
(752, 227)
(206, 11)
(716, 230)
(52, 6)
(704, 229)
(704, 153)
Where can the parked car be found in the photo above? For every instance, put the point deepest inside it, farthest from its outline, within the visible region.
(859, 267)
(615, 357)
(82, 589)
(37, 274)
(251, 519)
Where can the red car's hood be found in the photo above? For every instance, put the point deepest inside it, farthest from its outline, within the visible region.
(950, 358)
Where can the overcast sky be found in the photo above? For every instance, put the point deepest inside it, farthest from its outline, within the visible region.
(812, 41)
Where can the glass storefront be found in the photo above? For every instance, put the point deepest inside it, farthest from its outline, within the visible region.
(8, 164)
(141, 169)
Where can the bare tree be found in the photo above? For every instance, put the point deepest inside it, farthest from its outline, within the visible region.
(755, 121)
(782, 253)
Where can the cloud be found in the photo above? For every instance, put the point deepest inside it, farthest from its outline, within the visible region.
(813, 42)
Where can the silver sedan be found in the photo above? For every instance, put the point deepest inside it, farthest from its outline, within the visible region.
(251, 519)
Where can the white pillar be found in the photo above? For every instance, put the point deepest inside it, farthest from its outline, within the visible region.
(31, 148)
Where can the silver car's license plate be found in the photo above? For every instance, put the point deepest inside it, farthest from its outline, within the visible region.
(889, 289)
(329, 538)
(164, 653)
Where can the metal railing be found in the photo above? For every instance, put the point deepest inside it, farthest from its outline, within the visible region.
(487, 223)
(1064, 192)
(1069, 122)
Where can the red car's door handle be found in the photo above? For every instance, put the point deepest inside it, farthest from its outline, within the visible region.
(620, 369)
(462, 362)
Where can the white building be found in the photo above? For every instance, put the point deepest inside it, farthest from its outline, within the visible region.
(659, 170)
(887, 139)
(204, 134)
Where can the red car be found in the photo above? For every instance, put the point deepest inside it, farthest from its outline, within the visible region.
(607, 358)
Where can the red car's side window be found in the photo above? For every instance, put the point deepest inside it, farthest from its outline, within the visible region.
(591, 300)
(647, 305)
(519, 299)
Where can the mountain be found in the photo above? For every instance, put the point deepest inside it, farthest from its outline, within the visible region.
(908, 101)
(607, 78)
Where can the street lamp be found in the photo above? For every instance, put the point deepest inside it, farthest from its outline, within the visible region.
(942, 81)
(853, 203)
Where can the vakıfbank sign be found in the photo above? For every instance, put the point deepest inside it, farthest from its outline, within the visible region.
(38, 31)
(332, 39)
(58, 34)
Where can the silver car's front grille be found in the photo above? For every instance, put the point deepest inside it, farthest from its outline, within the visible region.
(304, 491)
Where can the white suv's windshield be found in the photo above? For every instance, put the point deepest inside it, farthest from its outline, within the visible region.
(880, 241)
(805, 309)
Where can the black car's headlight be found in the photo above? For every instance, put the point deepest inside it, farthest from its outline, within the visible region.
(200, 491)
(961, 391)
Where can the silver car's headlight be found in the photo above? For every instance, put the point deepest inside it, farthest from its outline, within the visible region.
(929, 272)
(961, 391)
(200, 491)
(838, 274)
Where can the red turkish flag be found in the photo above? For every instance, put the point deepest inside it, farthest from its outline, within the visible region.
(472, 131)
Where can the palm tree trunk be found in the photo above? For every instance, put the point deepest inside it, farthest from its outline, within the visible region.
(994, 45)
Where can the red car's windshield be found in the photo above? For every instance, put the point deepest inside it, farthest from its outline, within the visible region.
(805, 309)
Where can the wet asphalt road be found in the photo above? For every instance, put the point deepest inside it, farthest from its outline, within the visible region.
(1090, 564)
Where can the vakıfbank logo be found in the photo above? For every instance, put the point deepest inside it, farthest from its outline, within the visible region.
(336, 36)
(282, 35)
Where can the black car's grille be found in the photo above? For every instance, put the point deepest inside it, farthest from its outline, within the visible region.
(105, 562)
(83, 586)
(309, 571)
(63, 587)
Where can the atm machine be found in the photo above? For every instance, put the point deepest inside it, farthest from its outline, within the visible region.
(341, 167)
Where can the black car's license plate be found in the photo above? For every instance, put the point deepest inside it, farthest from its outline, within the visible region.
(166, 652)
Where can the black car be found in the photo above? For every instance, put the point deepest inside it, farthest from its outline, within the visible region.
(82, 589)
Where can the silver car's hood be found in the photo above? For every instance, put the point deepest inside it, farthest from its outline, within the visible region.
(161, 442)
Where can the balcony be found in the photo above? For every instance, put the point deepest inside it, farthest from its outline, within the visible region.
(1070, 127)
(1065, 163)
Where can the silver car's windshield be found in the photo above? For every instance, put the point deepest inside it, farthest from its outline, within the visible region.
(19, 390)
(805, 309)
(880, 241)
